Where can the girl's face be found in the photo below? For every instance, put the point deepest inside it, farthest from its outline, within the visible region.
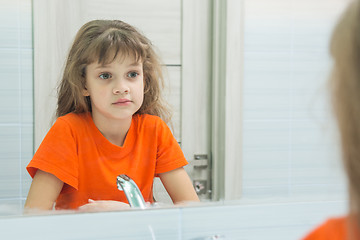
(116, 90)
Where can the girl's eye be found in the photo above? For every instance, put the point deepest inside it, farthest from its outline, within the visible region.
(105, 76)
(132, 74)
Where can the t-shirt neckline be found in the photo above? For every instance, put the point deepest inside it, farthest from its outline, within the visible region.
(104, 143)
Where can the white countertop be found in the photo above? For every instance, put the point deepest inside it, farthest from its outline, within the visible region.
(230, 220)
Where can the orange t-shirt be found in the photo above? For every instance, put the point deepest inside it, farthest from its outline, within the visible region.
(335, 229)
(76, 152)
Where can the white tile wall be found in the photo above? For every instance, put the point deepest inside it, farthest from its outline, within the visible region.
(9, 161)
(16, 98)
(172, 95)
(289, 136)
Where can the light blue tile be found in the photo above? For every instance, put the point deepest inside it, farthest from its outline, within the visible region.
(9, 37)
(25, 184)
(314, 191)
(316, 175)
(27, 108)
(266, 81)
(9, 24)
(270, 62)
(268, 31)
(25, 23)
(265, 168)
(10, 106)
(267, 42)
(266, 191)
(316, 157)
(308, 134)
(9, 69)
(311, 40)
(10, 140)
(311, 61)
(16, 24)
(16, 92)
(16, 85)
(26, 79)
(266, 177)
(26, 69)
(256, 158)
(27, 152)
(266, 135)
(264, 105)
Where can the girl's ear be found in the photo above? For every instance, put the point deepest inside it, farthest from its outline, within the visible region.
(85, 92)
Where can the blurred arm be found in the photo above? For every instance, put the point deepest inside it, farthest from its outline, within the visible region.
(44, 190)
(179, 186)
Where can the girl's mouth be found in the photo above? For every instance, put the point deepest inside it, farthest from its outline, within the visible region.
(122, 101)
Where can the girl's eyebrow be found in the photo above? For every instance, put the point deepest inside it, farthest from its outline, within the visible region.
(134, 64)
(103, 66)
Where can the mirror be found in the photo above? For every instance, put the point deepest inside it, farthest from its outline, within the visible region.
(286, 143)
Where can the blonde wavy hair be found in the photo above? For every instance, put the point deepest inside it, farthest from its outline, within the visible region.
(345, 86)
(100, 41)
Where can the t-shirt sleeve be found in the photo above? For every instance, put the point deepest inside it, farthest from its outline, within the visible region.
(317, 234)
(57, 154)
(330, 229)
(169, 153)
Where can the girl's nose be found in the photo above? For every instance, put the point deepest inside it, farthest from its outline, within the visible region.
(120, 88)
(118, 91)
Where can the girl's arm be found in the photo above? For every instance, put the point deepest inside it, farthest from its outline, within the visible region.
(178, 185)
(44, 190)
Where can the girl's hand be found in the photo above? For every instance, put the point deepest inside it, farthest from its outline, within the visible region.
(103, 205)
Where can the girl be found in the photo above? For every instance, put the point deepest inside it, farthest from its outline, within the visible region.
(108, 123)
(345, 83)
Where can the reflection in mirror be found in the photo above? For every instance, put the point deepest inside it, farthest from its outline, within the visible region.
(111, 121)
(286, 141)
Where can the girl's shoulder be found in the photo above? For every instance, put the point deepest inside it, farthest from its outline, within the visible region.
(148, 119)
(150, 123)
(74, 116)
(74, 119)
